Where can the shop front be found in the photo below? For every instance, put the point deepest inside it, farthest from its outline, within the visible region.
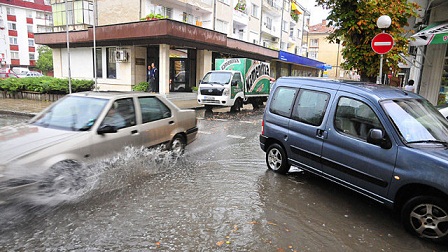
(432, 44)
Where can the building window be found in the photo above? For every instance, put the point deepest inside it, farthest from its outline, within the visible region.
(164, 11)
(254, 37)
(14, 55)
(29, 14)
(314, 42)
(221, 26)
(291, 32)
(79, 12)
(284, 26)
(99, 63)
(255, 11)
(10, 11)
(268, 23)
(225, 1)
(111, 63)
(32, 1)
(12, 26)
(187, 18)
(312, 54)
(29, 28)
(13, 40)
(32, 56)
(30, 42)
(283, 46)
(47, 2)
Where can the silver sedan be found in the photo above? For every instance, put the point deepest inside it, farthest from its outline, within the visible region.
(85, 126)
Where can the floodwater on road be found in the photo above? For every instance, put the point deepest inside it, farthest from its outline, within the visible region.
(218, 197)
(12, 118)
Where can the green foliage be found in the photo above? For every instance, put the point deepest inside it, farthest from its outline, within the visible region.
(355, 25)
(153, 16)
(142, 87)
(294, 15)
(45, 60)
(45, 85)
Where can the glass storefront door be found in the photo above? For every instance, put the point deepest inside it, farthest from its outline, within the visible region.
(179, 75)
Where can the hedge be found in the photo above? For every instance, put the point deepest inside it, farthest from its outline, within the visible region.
(44, 85)
(142, 86)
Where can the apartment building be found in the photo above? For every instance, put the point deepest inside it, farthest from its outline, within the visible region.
(319, 48)
(181, 37)
(19, 21)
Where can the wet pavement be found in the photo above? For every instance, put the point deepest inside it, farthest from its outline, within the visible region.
(218, 197)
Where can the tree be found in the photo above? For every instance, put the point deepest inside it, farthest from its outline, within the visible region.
(45, 61)
(355, 25)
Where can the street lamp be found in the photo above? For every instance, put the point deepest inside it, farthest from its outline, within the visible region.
(383, 22)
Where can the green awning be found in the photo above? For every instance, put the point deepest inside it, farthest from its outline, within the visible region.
(436, 33)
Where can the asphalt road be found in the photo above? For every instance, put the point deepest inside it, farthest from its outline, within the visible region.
(218, 197)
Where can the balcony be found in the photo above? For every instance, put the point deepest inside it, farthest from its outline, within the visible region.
(270, 30)
(240, 17)
(272, 7)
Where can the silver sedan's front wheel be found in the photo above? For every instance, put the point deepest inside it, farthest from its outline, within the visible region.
(276, 159)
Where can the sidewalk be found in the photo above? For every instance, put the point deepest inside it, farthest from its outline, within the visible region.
(24, 106)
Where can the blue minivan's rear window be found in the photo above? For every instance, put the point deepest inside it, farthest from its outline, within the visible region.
(282, 101)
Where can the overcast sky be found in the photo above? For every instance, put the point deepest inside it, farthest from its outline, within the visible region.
(317, 13)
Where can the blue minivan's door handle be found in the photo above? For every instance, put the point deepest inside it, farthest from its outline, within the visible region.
(321, 133)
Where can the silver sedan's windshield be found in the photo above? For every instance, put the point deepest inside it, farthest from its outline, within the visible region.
(217, 78)
(417, 121)
(71, 113)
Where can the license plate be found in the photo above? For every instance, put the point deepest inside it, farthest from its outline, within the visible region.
(209, 98)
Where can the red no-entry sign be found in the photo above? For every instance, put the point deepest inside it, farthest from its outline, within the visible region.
(382, 43)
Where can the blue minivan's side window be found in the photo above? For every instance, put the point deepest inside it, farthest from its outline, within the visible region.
(282, 101)
(310, 107)
(355, 118)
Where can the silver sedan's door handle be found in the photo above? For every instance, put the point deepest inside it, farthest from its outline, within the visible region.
(134, 132)
(171, 122)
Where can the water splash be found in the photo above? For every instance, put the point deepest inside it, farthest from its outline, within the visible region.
(126, 168)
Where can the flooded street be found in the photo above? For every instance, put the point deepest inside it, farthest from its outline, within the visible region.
(218, 197)
(11, 118)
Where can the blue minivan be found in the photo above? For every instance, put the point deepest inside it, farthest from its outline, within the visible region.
(385, 143)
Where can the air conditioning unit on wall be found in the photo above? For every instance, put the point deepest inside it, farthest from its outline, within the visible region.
(121, 56)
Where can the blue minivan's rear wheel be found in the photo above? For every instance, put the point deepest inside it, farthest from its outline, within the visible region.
(276, 159)
(426, 217)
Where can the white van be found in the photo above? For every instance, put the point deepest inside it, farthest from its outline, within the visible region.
(21, 71)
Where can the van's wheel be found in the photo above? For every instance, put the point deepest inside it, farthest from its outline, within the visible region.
(237, 105)
(65, 177)
(276, 159)
(426, 217)
(177, 146)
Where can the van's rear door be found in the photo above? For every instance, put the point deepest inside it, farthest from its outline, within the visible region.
(307, 127)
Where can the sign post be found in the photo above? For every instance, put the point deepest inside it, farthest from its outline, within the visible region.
(382, 43)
